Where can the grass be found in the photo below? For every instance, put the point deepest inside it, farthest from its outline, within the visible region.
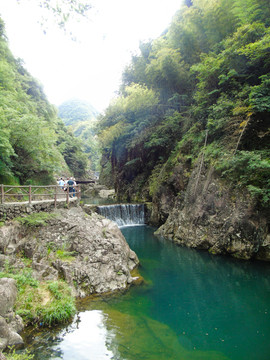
(51, 303)
(64, 255)
(36, 219)
(60, 253)
(41, 303)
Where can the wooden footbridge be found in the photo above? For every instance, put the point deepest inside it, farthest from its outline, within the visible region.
(30, 194)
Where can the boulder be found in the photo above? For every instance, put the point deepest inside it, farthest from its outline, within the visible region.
(8, 293)
(88, 251)
(10, 324)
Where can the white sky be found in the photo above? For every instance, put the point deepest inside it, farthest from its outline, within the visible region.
(91, 68)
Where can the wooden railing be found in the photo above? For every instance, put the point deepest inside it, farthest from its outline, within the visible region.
(31, 193)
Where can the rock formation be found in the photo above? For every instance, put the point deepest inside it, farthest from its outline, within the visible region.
(88, 251)
(209, 215)
(10, 324)
(98, 257)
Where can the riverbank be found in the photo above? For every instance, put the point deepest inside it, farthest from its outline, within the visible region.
(61, 256)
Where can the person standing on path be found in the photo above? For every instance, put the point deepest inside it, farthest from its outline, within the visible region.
(74, 186)
(61, 183)
(70, 183)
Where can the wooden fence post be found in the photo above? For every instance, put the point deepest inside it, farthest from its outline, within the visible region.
(30, 194)
(2, 194)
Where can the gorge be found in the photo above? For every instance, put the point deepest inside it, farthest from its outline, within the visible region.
(182, 153)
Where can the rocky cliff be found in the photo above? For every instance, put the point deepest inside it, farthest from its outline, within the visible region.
(98, 257)
(208, 214)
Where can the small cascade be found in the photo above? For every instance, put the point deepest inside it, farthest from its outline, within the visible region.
(123, 214)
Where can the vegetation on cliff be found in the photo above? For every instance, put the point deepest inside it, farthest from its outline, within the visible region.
(34, 142)
(199, 91)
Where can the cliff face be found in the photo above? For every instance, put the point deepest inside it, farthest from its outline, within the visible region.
(212, 216)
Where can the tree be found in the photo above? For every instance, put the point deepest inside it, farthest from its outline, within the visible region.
(168, 72)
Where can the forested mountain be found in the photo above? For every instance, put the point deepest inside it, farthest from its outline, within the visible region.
(35, 145)
(81, 116)
(74, 111)
(197, 96)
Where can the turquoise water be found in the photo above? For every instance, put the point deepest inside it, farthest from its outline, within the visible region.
(192, 305)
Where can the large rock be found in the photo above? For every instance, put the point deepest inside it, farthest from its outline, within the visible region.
(213, 217)
(10, 323)
(8, 293)
(88, 251)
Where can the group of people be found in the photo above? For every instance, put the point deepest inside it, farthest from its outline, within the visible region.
(68, 183)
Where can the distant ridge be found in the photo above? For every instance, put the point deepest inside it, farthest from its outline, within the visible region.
(74, 111)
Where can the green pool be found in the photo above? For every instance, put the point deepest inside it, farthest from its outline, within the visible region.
(192, 306)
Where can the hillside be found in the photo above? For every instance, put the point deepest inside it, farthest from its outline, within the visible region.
(190, 129)
(35, 145)
(74, 111)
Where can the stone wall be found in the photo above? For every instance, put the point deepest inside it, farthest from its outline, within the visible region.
(9, 211)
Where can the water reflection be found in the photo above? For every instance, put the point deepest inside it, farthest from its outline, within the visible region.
(89, 340)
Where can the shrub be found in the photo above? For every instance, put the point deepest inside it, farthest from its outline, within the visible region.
(250, 169)
(36, 219)
(21, 356)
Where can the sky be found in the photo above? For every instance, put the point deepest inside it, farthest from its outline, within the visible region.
(91, 67)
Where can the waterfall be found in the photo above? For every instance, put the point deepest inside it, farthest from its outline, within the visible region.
(123, 214)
